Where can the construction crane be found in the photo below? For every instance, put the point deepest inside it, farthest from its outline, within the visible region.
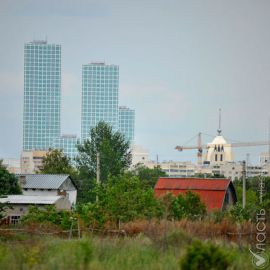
(201, 146)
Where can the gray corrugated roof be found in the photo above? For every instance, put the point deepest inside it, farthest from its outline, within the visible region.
(25, 199)
(43, 181)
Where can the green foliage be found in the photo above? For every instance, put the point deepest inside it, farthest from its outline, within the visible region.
(147, 175)
(253, 184)
(56, 162)
(3, 208)
(121, 199)
(188, 205)
(47, 254)
(239, 214)
(85, 189)
(8, 182)
(92, 214)
(205, 256)
(115, 155)
(118, 253)
(251, 196)
(49, 215)
(70, 255)
(8, 186)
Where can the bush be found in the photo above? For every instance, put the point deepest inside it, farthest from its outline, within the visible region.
(239, 214)
(188, 205)
(205, 256)
(49, 215)
(121, 199)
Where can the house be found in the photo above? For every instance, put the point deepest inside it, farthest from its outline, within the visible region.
(20, 205)
(216, 194)
(48, 185)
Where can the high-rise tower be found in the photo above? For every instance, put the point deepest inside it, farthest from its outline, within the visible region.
(42, 95)
(126, 122)
(100, 88)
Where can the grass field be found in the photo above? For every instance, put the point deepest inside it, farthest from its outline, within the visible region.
(112, 253)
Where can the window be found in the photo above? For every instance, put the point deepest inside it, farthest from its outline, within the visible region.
(215, 157)
(221, 157)
(14, 219)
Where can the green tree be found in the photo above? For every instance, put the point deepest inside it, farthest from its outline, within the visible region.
(8, 186)
(188, 205)
(56, 162)
(115, 155)
(147, 175)
(8, 182)
(123, 198)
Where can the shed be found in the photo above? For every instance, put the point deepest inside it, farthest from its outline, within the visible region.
(20, 204)
(48, 185)
(215, 193)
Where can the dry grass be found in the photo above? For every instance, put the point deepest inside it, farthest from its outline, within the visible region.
(225, 230)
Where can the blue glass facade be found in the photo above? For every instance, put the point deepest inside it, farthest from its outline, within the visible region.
(42, 95)
(67, 143)
(100, 88)
(127, 122)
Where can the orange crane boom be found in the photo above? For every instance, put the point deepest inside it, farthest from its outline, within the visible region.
(201, 146)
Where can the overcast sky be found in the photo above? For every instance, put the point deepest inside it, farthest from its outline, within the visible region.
(179, 62)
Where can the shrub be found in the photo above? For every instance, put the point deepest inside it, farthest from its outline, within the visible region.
(49, 215)
(205, 256)
(187, 205)
(239, 214)
(121, 199)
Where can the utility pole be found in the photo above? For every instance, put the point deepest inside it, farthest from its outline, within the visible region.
(247, 164)
(98, 171)
(244, 183)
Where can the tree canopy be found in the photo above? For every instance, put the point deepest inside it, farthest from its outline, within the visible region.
(147, 175)
(8, 182)
(56, 162)
(115, 155)
(123, 198)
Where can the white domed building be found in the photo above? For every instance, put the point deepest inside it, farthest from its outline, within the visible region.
(218, 151)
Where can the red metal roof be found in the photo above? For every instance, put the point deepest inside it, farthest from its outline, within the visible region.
(211, 191)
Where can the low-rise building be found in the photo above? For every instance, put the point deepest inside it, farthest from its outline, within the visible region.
(20, 205)
(48, 185)
(174, 168)
(217, 194)
(234, 170)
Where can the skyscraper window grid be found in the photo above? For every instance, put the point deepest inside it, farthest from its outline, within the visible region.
(127, 122)
(42, 95)
(100, 88)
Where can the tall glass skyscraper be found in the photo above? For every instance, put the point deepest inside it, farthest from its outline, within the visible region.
(127, 122)
(67, 143)
(100, 87)
(42, 95)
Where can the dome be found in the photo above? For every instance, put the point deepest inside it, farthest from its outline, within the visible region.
(219, 140)
(219, 151)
